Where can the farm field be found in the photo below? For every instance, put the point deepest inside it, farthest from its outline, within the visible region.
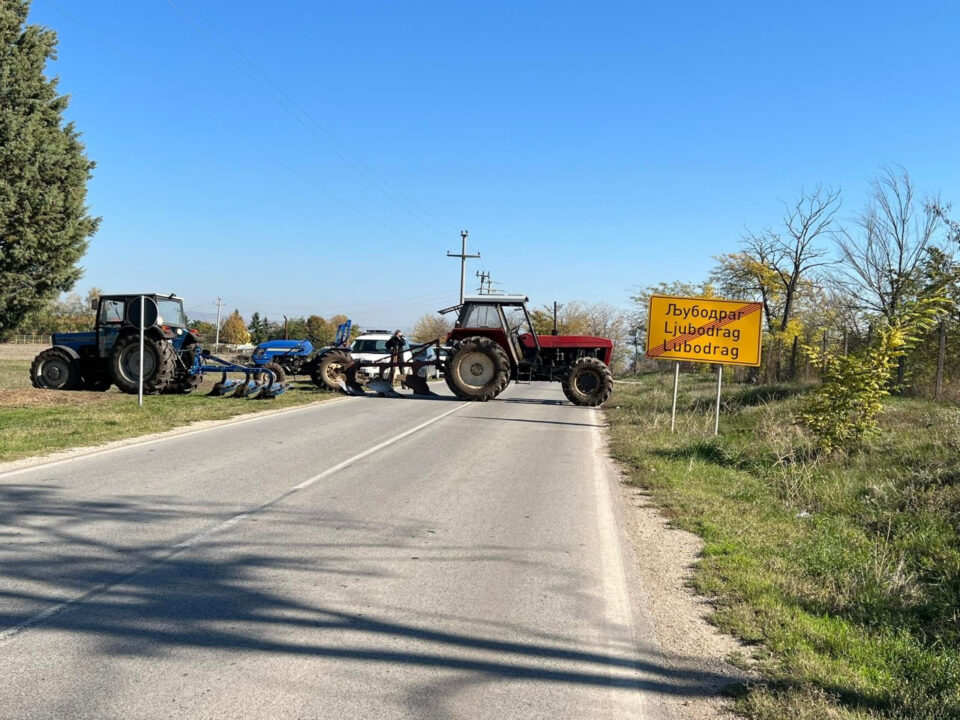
(36, 422)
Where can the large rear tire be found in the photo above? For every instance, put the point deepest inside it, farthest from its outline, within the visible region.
(588, 383)
(477, 369)
(159, 364)
(56, 369)
(328, 372)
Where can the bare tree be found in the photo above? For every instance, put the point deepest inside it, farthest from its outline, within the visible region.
(881, 262)
(796, 252)
(775, 265)
(431, 326)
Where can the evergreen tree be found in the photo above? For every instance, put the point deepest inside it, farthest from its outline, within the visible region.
(257, 328)
(44, 224)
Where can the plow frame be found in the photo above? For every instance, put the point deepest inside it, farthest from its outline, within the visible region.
(252, 385)
(411, 380)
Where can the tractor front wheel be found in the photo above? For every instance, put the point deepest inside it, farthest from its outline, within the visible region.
(477, 369)
(588, 383)
(159, 364)
(55, 369)
(328, 372)
(279, 375)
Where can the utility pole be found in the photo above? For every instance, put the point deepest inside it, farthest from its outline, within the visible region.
(485, 280)
(216, 342)
(463, 260)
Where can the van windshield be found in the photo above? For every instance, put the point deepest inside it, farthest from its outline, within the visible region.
(370, 346)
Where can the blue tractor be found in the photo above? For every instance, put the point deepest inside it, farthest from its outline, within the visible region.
(298, 357)
(173, 359)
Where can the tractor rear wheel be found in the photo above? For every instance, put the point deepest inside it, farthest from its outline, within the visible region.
(159, 364)
(328, 372)
(477, 369)
(588, 383)
(55, 369)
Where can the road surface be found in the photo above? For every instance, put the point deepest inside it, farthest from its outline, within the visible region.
(366, 558)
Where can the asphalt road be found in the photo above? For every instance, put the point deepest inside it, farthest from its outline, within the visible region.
(367, 558)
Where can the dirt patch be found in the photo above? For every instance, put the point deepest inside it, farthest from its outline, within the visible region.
(33, 398)
(9, 351)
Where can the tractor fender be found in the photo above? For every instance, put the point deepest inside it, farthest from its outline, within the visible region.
(69, 351)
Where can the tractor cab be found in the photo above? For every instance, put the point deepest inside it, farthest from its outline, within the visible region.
(120, 314)
(502, 318)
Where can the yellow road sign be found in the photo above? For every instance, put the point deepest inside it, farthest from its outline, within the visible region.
(704, 330)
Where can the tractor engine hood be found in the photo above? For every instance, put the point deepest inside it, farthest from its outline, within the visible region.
(567, 341)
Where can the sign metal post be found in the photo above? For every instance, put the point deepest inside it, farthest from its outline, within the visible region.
(676, 383)
(716, 421)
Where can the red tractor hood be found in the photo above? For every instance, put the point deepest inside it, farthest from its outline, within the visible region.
(549, 342)
(566, 341)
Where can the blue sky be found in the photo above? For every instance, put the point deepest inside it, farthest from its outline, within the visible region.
(305, 157)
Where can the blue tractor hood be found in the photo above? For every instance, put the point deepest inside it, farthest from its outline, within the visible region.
(303, 346)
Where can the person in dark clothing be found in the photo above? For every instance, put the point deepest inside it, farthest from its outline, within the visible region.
(396, 345)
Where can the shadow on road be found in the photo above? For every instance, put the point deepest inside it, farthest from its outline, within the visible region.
(226, 594)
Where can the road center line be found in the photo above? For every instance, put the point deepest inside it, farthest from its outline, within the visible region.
(171, 552)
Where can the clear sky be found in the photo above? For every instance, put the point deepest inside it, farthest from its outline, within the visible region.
(302, 157)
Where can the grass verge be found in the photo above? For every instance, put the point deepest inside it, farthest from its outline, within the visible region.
(841, 573)
(37, 422)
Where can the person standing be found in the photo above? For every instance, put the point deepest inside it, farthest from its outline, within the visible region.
(396, 345)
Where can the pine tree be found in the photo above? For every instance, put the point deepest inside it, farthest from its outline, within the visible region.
(44, 224)
(257, 329)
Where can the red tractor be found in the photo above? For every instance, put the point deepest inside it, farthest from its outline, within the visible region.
(494, 342)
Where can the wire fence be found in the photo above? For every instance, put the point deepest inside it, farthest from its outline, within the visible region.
(29, 339)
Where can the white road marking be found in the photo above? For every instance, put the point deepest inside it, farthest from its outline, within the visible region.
(619, 615)
(171, 552)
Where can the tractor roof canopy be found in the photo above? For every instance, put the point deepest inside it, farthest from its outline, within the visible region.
(496, 299)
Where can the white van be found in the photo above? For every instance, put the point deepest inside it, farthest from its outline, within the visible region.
(372, 347)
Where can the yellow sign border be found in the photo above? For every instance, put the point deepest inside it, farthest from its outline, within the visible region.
(702, 299)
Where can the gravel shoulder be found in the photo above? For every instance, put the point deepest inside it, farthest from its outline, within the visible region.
(661, 560)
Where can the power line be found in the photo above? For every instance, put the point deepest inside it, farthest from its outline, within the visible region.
(296, 111)
(226, 126)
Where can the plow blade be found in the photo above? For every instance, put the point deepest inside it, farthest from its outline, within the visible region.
(349, 384)
(224, 388)
(383, 387)
(249, 390)
(417, 384)
(273, 390)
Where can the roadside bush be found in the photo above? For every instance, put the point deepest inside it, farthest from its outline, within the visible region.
(843, 410)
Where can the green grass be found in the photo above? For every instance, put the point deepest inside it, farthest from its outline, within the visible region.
(35, 422)
(843, 572)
